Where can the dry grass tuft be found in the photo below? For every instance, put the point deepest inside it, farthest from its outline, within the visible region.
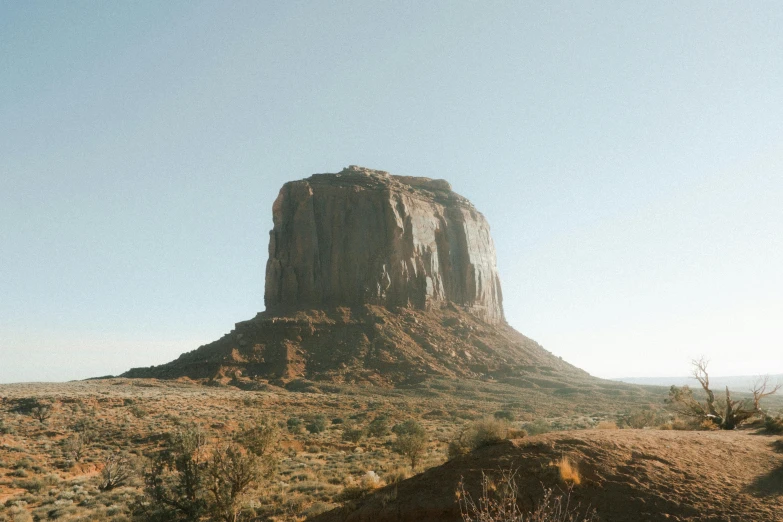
(606, 425)
(568, 471)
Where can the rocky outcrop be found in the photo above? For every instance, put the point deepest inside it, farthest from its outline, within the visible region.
(364, 236)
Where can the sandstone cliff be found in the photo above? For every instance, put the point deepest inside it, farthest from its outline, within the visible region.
(366, 237)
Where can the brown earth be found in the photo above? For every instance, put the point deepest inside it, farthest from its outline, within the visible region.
(368, 344)
(627, 475)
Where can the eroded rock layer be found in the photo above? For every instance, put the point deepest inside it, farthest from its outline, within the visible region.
(366, 237)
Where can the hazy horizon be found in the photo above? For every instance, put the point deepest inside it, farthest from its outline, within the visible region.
(627, 157)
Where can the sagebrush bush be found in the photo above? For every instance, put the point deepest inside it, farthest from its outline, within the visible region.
(316, 424)
(477, 435)
(773, 424)
(537, 427)
(504, 415)
(379, 427)
(353, 434)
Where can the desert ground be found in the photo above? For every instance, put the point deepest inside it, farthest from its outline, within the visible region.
(335, 449)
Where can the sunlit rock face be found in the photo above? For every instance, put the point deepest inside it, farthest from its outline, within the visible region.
(364, 236)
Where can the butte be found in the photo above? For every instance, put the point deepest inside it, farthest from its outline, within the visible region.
(374, 279)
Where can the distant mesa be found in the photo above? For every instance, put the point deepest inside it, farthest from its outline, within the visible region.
(372, 278)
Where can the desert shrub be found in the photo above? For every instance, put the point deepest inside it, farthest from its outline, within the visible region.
(499, 502)
(231, 471)
(355, 489)
(537, 427)
(261, 439)
(477, 435)
(33, 485)
(138, 411)
(294, 424)
(76, 445)
(185, 483)
(642, 419)
(317, 424)
(116, 471)
(516, 433)
(5, 428)
(395, 475)
(504, 415)
(379, 427)
(173, 484)
(683, 425)
(338, 420)
(411, 441)
(773, 424)
(24, 463)
(353, 434)
(41, 411)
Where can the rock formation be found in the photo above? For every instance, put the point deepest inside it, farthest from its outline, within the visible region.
(373, 278)
(366, 237)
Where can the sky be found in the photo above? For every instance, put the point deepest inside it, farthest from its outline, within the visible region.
(628, 157)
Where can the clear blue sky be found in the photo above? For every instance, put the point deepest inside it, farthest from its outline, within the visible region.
(628, 156)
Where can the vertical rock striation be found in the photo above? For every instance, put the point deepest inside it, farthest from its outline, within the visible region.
(364, 236)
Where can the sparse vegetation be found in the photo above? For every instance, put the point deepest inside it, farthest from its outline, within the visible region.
(500, 498)
(310, 472)
(477, 435)
(725, 414)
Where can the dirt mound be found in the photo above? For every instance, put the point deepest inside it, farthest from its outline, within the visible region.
(626, 475)
(367, 344)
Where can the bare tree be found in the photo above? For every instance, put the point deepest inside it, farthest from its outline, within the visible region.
(726, 414)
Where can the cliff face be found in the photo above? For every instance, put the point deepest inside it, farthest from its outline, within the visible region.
(366, 237)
